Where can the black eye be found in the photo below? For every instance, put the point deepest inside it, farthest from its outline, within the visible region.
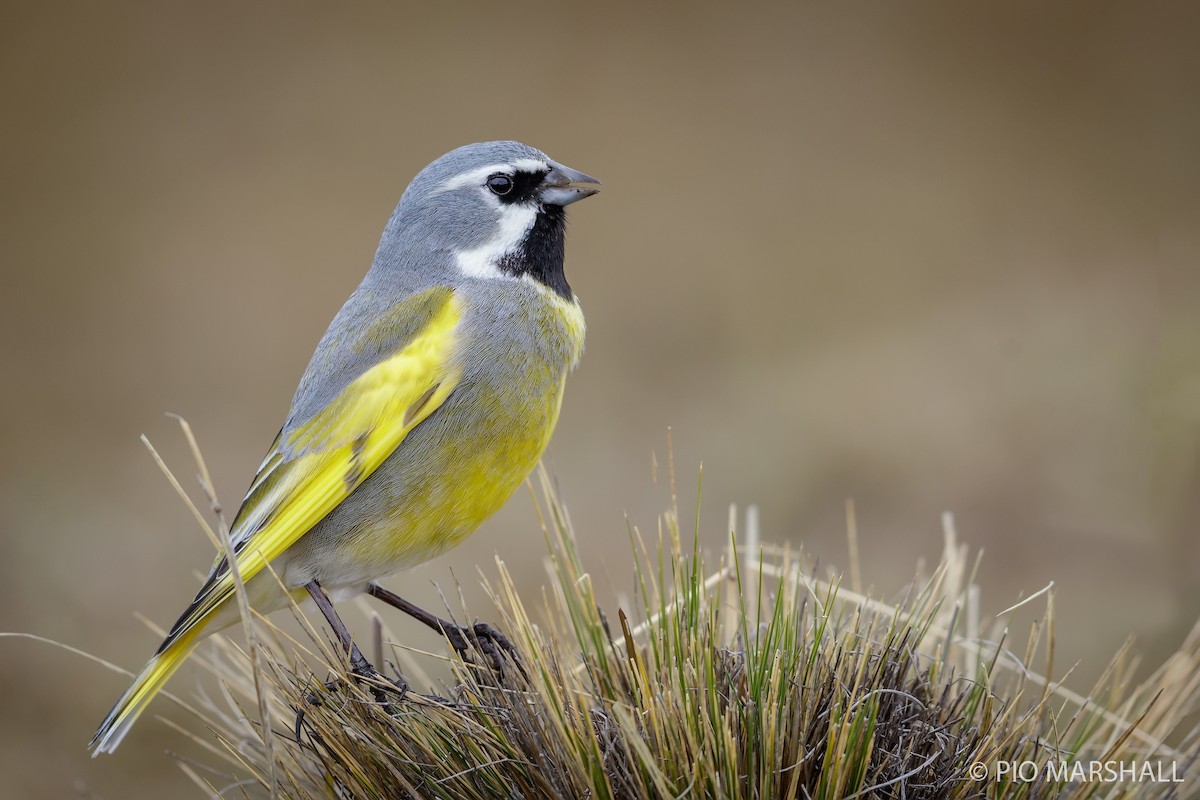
(500, 183)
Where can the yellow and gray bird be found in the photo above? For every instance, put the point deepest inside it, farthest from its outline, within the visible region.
(426, 404)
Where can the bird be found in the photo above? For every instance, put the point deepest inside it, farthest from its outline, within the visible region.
(426, 404)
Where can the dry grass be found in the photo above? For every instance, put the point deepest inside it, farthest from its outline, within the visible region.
(751, 679)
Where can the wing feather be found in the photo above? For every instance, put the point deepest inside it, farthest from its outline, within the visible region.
(314, 466)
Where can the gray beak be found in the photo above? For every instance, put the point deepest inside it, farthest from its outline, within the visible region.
(558, 187)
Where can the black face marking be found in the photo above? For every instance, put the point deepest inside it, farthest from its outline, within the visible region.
(524, 188)
(542, 253)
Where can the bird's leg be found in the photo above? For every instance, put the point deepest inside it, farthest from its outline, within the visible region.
(486, 638)
(358, 662)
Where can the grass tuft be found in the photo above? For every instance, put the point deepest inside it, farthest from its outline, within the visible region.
(748, 678)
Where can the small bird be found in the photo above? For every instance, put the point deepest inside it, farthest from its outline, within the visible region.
(427, 402)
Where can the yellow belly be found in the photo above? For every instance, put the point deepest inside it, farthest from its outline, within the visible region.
(450, 474)
(453, 470)
(477, 479)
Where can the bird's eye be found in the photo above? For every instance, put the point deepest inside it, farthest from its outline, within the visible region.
(500, 184)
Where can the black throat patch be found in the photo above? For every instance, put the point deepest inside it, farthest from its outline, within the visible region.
(542, 253)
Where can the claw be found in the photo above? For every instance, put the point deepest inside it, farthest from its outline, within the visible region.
(366, 673)
(299, 722)
(363, 672)
(487, 640)
(480, 636)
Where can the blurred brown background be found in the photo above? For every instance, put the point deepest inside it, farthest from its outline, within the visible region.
(930, 257)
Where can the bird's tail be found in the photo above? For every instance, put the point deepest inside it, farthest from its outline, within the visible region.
(147, 684)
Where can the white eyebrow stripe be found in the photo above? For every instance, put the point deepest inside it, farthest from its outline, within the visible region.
(478, 175)
(530, 165)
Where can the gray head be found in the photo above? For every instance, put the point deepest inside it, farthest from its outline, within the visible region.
(495, 208)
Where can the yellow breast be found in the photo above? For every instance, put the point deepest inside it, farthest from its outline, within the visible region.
(461, 465)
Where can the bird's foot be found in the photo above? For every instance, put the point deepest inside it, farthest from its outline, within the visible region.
(386, 691)
(377, 683)
(481, 637)
(487, 640)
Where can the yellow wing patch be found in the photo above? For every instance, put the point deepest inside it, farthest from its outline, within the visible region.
(335, 451)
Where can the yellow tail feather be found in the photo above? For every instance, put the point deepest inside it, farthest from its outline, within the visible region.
(147, 684)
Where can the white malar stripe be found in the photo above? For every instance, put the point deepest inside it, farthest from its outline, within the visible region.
(481, 262)
(480, 174)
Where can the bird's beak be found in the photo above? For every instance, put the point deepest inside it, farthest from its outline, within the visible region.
(558, 189)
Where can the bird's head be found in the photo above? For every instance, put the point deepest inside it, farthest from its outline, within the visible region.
(496, 208)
